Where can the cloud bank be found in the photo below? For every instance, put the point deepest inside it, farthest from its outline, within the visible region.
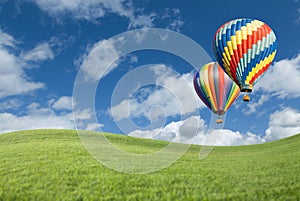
(93, 10)
(35, 116)
(13, 78)
(283, 123)
(194, 131)
(175, 96)
(282, 79)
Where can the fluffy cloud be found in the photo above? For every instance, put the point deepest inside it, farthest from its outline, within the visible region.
(253, 105)
(297, 19)
(81, 115)
(94, 126)
(10, 104)
(175, 96)
(40, 53)
(283, 123)
(159, 102)
(181, 131)
(63, 103)
(282, 79)
(101, 60)
(36, 116)
(93, 10)
(10, 122)
(6, 40)
(194, 131)
(104, 56)
(172, 17)
(181, 86)
(225, 137)
(83, 9)
(13, 77)
(142, 21)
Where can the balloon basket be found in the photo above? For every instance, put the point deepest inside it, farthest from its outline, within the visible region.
(246, 98)
(219, 121)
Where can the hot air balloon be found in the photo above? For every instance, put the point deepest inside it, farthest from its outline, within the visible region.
(215, 88)
(245, 48)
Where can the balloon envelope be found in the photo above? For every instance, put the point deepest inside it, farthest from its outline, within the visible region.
(245, 48)
(215, 88)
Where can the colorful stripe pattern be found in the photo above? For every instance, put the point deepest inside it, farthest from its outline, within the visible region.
(245, 48)
(215, 88)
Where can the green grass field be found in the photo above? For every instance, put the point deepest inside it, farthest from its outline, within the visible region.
(54, 165)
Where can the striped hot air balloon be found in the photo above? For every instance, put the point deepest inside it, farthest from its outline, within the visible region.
(245, 48)
(215, 88)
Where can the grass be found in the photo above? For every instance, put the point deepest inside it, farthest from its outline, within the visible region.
(53, 165)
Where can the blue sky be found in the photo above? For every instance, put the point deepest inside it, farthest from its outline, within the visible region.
(45, 43)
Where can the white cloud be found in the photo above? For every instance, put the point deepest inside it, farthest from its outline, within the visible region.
(10, 104)
(252, 106)
(172, 17)
(6, 40)
(36, 116)
(13, 77)
(10, 122)
(34, 109)
(79, 8)
(101, 60)
(133, 59)
(282, 79)
(180, 131)
(40, 53)
(94, 126)
(175, 96)
(142, 21)
(283, 123)
(298, 18)
(82, 114)
(225, 137)
(181, 86)
(194, 130)
(13, 80)
(120, 111)
(63, 103)
(92, 10)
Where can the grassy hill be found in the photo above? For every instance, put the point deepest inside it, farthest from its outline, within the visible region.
(53, 165)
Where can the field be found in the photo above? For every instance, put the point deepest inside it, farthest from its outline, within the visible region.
(54, 165)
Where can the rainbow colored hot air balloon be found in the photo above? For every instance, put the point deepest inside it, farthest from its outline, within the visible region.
(215, 88)
(245, 48)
